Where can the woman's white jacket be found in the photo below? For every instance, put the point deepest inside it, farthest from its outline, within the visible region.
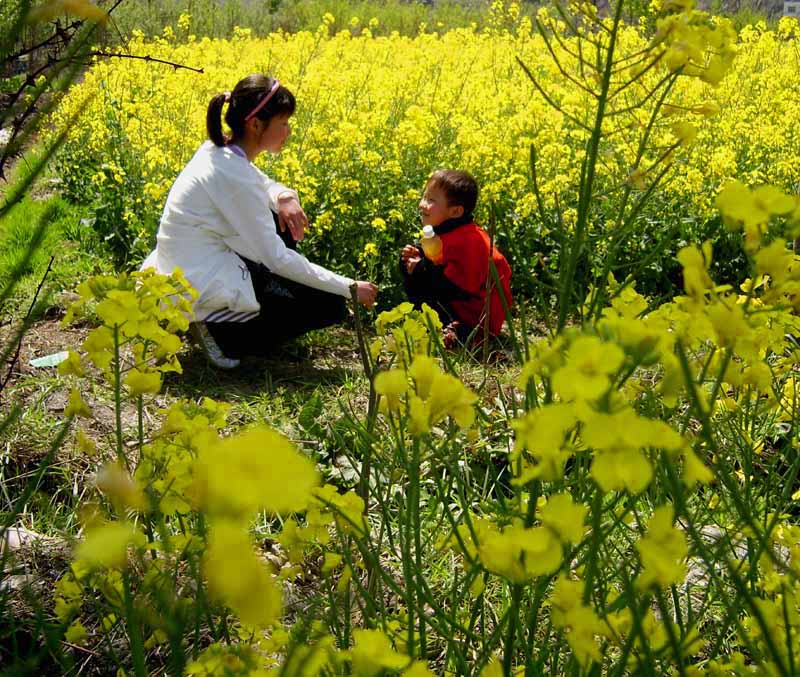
(218, 209)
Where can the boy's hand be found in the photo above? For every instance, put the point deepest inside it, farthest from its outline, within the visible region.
(410, 257)
(409, 251)
(412, 262)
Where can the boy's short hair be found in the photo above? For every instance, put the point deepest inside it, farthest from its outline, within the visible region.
(459, 187)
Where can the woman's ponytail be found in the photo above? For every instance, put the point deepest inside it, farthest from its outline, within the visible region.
(214, 119)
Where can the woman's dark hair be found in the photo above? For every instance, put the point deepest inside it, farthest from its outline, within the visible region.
(247, 94)
(460, 188)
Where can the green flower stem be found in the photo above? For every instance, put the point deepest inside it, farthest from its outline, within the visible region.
(789, 626)
(637, 630)
(332, 620)
(588, 170)
(491, 281)
(507, 311)
(597, 507)
(408, 576)
(533, 619)
(418, 554)
(346, 604)
(148, 523)
(133, 624)
(723, 473)
(676, 605)
(477, 613)
(439, 613)
(671, 637)
(517, 589)
(140, 423)
(117, 375)
(565, 74)
(619, 233)
(711, 561)
(203, 607)
(511, 635)
(454, 605)
(372, 408)
(453, 525)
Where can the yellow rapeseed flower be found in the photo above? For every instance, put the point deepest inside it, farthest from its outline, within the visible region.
(586, 373)
(140, 382)
(450, 397)
(662, 551)
(115, 482)
(621, 468)
(373, 653)
(520, 554)
(76, 634)
(564, 517)
(256, 470)
(251, 592)
(581, 623)
(120, 307)
(391, 385)
(72, 365)
(106, 545)
(76, 406)
(99, 347)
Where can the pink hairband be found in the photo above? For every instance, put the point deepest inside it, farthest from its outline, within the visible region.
(263, 101)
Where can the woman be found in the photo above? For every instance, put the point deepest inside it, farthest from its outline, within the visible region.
(219, 227)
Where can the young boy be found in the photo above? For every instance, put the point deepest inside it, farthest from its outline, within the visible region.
(456, 285)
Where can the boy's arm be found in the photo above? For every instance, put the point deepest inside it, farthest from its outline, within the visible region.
(432, 277)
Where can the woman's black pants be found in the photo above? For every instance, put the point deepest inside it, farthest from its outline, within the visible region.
(288, 310)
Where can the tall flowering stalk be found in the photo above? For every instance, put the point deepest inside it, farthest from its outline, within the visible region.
(623, 93)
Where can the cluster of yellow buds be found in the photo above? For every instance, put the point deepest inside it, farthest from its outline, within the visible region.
(137, 341)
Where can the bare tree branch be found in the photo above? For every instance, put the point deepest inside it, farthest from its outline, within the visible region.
(117, 55)
(26, 323)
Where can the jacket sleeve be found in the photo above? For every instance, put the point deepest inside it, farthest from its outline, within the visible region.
(276, 191)
(431, 277)
(246, 208)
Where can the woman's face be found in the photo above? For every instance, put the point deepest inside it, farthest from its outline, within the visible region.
(275, 133)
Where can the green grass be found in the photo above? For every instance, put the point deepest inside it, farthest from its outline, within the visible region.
(218, 19)
(66, 239)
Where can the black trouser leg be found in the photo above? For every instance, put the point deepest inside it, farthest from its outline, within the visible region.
(283, 316)
(418, 294)
(288, 310)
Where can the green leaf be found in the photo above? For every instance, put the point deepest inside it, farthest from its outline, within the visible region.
(310, 412)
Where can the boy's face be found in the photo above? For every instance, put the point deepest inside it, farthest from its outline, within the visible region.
(434, 208)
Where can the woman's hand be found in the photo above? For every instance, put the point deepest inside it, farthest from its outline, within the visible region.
(292, 216)
(366, 293)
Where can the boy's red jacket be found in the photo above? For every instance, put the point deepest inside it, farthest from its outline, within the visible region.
(465, 259)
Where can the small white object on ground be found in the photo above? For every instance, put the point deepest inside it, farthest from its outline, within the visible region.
(51, 360)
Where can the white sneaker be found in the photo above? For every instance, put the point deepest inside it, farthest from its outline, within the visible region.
(213, 352)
